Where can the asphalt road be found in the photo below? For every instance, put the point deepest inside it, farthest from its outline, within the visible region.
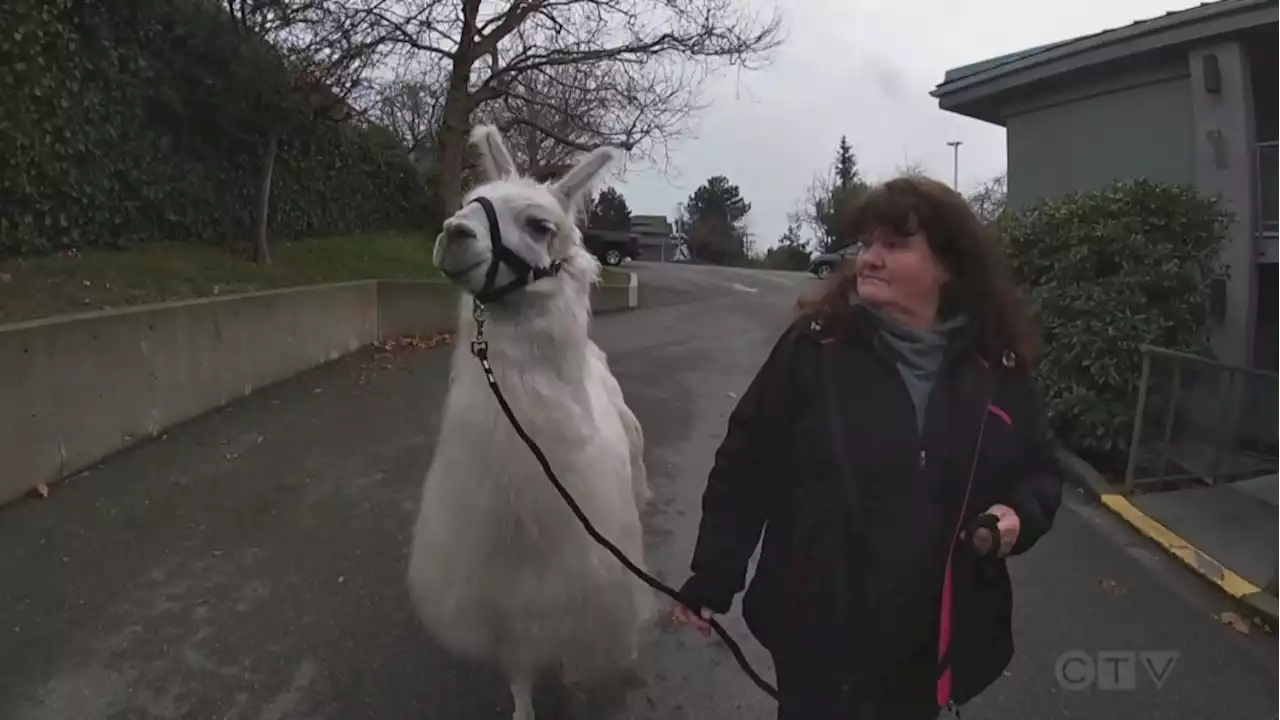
(250, 564)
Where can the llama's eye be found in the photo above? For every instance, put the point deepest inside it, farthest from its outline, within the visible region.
(540, 227)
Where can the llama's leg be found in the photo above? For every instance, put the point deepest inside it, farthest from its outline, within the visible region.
(522, 695)
(631, 426)
(640, 484)
(635, 445)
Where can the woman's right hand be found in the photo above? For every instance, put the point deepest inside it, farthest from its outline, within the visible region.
(685, 616)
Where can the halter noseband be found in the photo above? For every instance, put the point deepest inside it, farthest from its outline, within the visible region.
(524, 272)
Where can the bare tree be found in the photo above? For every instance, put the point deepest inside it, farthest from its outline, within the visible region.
(824, 207)
(305, 58)
(541, 120)
(409, 104)
(989, 200)
(910, 168)
(815, 211)
(636, 66)
(560, 111)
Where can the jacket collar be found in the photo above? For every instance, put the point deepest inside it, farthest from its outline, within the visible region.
(864, 325)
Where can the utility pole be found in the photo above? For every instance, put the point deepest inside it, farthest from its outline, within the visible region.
(955, 163)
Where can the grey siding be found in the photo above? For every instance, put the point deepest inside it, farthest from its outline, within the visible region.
(1225, 150)
(1087, 139)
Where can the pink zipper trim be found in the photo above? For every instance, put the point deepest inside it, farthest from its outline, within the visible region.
(943, 694)
(1000, 413)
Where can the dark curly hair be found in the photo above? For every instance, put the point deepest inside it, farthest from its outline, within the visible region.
(982, 284)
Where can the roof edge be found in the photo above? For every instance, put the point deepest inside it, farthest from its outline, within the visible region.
(1212, 16)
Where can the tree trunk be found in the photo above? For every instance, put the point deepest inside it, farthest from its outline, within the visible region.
(452, 148)
(261, 250)
(455, 129)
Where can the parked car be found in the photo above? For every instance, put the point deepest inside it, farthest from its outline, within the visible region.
(611, 246)
(824, 264)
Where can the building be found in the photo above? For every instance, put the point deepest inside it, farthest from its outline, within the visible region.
(1188, 97)
(657, 241)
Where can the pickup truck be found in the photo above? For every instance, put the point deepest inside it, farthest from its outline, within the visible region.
(611, 246)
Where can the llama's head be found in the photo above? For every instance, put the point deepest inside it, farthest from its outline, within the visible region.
(513, 231)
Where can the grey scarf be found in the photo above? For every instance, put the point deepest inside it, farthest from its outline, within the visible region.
(917, 353)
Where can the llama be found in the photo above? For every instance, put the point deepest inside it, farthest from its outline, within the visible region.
(500, 571)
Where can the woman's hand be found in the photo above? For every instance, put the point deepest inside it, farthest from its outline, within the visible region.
(1007, 523)
(684, 616)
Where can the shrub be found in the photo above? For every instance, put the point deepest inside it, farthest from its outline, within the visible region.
(787, 257)
(1108, 271)
(117, 128)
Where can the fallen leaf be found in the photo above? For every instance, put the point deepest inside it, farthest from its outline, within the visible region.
(1234, 621)
(42, 490)
(412, 342)
(1111, 587)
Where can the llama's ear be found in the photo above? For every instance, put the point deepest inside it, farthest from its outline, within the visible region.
(494, 155)
(575, 184)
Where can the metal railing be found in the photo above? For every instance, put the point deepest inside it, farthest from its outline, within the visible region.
(1215, 422)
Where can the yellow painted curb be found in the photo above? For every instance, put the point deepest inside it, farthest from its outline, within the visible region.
(1221, 576)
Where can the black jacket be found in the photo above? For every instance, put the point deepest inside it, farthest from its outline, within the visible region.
(860, 511)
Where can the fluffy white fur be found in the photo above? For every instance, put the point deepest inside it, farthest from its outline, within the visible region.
(500, 571)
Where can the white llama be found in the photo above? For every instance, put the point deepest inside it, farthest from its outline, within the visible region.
(500, 570)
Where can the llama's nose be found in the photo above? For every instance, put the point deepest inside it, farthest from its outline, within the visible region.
(457, 230)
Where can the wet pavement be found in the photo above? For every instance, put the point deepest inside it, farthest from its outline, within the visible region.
(250, 564)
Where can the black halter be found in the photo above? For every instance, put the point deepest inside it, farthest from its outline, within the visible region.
(524, 272)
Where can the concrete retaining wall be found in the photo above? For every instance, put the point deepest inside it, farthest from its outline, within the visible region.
(409, 307)
(76, 388)
(610, 298)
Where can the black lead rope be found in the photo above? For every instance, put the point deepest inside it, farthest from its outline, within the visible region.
(480, 348)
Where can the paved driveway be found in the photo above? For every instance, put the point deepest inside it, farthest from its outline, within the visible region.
(250, 564)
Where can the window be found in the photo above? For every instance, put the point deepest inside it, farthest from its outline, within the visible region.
(1268, 189)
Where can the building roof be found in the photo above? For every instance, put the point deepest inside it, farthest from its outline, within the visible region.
(650, 220)
(963, 89)
(650, 225)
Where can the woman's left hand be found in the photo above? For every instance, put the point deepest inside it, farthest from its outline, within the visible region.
(1008, 524)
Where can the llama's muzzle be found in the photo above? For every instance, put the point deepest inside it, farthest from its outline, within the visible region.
(522, 272)
(458, 231)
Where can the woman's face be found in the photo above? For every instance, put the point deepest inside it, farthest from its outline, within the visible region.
(899, 273)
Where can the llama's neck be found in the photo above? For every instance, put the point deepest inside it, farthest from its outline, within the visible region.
(543, 330)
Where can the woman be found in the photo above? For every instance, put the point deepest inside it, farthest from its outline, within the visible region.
(891, 431)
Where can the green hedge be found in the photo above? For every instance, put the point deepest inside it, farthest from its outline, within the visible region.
(1108, 271)
(129, 122)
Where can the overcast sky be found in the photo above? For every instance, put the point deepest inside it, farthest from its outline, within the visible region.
(862, 68)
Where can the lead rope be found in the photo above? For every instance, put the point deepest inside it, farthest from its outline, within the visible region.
(480, 348)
